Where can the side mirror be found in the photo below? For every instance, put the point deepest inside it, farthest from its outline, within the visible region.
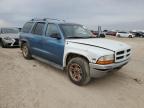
(55, 35)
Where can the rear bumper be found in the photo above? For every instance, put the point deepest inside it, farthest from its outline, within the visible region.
(101, 70)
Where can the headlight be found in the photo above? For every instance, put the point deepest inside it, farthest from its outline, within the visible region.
(8, 38)
(104, 60)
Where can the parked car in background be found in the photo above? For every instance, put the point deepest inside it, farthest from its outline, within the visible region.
(111, 33)
(97, 34)
(138, 34)
(102, 35)
(72, 48)
(94, 32)
(9, 37)
(105, 31)
(124, 34)
(141, 34)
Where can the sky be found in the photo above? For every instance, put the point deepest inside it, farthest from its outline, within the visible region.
(110, 14)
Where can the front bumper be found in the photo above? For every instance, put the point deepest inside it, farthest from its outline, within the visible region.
(101, 70)
(11, 43)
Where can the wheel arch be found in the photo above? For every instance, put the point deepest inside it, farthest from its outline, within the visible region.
(22, 42)
(71, 55)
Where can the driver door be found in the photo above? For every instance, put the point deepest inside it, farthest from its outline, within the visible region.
(53, 44)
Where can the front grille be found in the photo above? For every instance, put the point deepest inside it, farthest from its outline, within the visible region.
(122, 55)
(128, 55)
(128, 50)
(120, 52)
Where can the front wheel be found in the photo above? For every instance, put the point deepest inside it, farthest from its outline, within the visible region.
(3, 45)
(25, 51)
(78, 71)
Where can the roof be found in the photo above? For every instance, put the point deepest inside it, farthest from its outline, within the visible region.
(51, 20)
(48, 20)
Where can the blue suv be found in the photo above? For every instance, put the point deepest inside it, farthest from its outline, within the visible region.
(73, 48)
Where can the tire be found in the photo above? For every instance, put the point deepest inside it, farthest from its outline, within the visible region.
(26, 52)
(102, 35)
(3, 45)
(119, 35)
(78, 71)
(130, 36)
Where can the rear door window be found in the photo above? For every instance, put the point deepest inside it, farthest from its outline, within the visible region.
(39, 28)
(27, 27)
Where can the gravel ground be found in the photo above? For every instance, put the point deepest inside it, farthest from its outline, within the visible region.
(33, 84)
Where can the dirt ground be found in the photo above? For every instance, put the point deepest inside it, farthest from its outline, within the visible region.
(33, 84)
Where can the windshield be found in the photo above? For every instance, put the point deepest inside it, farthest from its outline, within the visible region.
(75, 31)
(9, 30)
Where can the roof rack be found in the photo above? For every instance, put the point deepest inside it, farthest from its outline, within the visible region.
(47, 19)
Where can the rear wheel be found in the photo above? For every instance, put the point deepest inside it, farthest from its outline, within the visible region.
(130, 36)
(118, 35)
(78, 71)
(25, 51)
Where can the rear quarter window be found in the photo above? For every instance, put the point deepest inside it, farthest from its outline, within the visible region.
(27, 27)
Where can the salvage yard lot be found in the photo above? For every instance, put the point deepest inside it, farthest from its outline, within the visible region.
(33, 84)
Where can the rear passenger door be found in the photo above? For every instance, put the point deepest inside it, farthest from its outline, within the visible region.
(25, 34)
(52, 46)
(36, 38)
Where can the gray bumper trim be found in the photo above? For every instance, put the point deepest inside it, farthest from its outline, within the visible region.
(100, 70)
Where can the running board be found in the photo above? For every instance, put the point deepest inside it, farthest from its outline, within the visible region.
(48, 62)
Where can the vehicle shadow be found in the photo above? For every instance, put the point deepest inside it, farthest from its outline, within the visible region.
(50, 67)
(113, 79)
(107, 80)
(15, 47)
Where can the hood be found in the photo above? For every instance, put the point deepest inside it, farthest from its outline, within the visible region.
(101, 43)
(11, 35)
